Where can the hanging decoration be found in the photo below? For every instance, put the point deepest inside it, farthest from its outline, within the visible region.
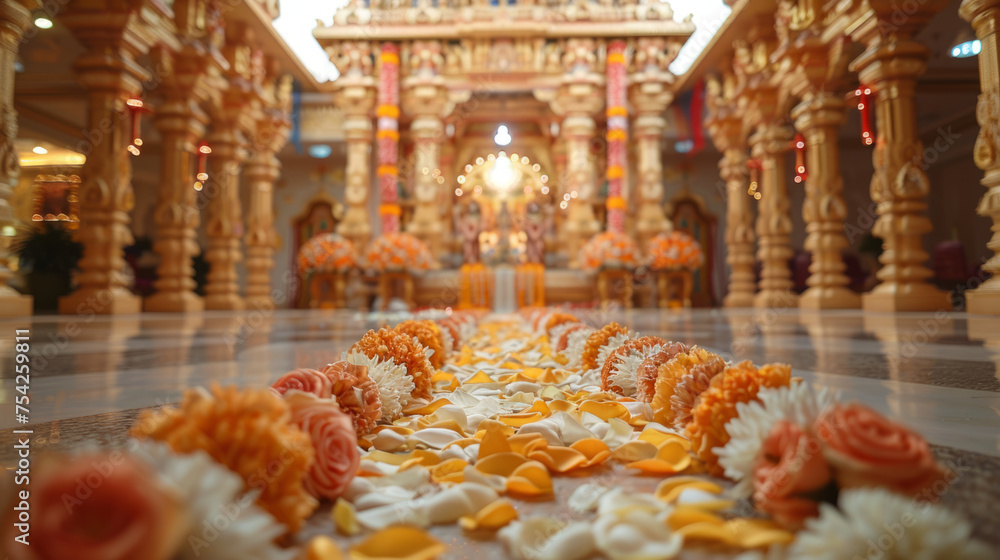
(617, 135)
(863, 93)
(202, 176)
(136, 108)
(800, 158)
(754, 166)
(387, 137)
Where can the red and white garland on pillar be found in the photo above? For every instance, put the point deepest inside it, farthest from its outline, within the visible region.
(617, 136)
(800, 158)
(136, 108)
(863, 93)
(387, 137)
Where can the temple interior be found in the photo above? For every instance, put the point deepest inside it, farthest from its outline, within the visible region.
(220, 191)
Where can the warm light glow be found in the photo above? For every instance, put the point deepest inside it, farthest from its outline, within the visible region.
(566, 196)
(564, 205)
(43, 23)
(468, 167)
(545, 190)
(440, 180)
(536, 168)
(502, 137)
(202, 177)
(39, 150)
(198, 185)
(205, 149)
(133, 150)
(502, 176)
(574, 194)
(458, 192)
(479, 161)
(134, 102)
(461, 179)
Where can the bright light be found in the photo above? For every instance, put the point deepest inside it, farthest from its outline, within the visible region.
(502, 137)
(708, 17)
(545, 190)
(39, 150)
(967, 49)
(320, 151)
(295, 26)
(564, 205)
(43, 23)
(502, 176)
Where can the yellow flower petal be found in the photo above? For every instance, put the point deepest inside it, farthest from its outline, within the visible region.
(502, 464)
(561, 406)
(494, 441)
(445, 471)
(428, 409)
(670, 489)
(658, 438)
(398, 543)
(605, 410)
(595, 450)
(480, 377)
(683, 516)
(521, 418)
(559, 459)
(492, 517)
(760, 533)
(345, 517)
(530, 479)
(540, 407)
(671, 458)
(321, 548)
(708, 531)
(524, 443)
(634, 451)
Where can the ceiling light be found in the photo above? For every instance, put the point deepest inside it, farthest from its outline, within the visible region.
(39, 150)
(502, 137)
(966, 49)
(43, 23)
(320, 151)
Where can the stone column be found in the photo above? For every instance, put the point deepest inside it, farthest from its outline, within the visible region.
(262, 170)
(890, 65)
(15, 17)
(425, 99)
(818, 119)
(111, 75)
(985, 18)
(182, 125)
(224, 225)
(770, 144)
(356, 97)
(650, 94)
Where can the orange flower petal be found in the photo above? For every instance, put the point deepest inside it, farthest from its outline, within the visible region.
(708, 531)
(492, 517)
(428, 409)
(658, 438)
(683, 516)
(606, 410)
(561, 406)
(559, 459)
(524, 443)
(521, 418)
(670, 489)
(671, 458)
(595, 450)
(494, 441)
(540, 407)
(503, 464)
(634, 451)
(760, 533)
(398, 543)
(442, 472)
(345, 517)
(322, 548)
(530, 479)
(480, 377)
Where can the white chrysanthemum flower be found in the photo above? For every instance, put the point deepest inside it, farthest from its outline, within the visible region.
(799, 404)
(467, 330)
(395, 386)
(447, 340)
(575, 343)
(624, 372)
(876, 523)
(541, 323)
(560, 329)
(614, 343)
(214, 497)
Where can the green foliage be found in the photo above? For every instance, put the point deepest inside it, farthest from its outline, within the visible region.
(48, 249)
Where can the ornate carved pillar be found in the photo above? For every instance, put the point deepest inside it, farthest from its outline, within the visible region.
(770, 144)
(890, 65)
(425, 99)
(193, 78)
(985, 18)
(818, 118)
(650, 94)
(15, 17)
(579, 98)
(115, 34)
(356, 97)
(725, 125)
(262, 170)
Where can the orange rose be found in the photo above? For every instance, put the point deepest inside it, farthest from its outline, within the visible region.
(98, 507)
(334, 440)
(790, 466)
(306, 380)
(867, 449)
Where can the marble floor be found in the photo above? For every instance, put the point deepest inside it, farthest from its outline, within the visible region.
(938, 373)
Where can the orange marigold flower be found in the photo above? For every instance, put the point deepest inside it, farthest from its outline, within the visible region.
(429, 335)
(563, 340)
(249, 431)
(670, 374)
(690, 387)
(640, 343)
(405, 350)
(557, 319)
(596, 340)
(649, 370)
(453, 329)
(356, 394)
(717, 406)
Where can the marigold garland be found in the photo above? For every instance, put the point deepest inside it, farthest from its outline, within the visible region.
(557, 319)
(669, 375)
(246, 430)
(405, 350)
(717, 406)
(429, 335)
(596, 340)
(640, 343)
(356, 394)
(649, 370)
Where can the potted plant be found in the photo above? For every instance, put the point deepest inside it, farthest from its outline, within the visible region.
(48, 254)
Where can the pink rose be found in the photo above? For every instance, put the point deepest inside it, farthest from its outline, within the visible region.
(790, 466)
(307, 380)
(97, 507)
(867, 449)
(334, 440)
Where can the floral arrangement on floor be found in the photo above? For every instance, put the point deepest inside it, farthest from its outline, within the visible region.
(610, 249)
(746, 459)
(326, 252)
(397, 252)
(675, 250)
